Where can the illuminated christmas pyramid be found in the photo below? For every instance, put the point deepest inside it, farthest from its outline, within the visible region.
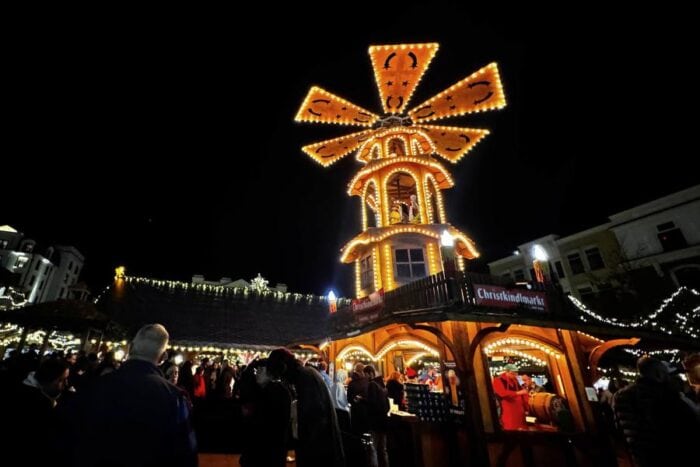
(401, 181)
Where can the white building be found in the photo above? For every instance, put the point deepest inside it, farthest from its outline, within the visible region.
(664, 235)
(656, 244)
(41, 277)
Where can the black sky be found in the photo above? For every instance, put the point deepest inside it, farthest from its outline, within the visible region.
(166, 142)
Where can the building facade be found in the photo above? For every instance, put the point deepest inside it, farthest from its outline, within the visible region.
(646, 251)
(30, 276)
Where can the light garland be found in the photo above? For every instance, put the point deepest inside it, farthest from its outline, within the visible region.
(377, 207)
(411, 343)
(607, 371)
(509, 351)
(651, 320)
(600, 341)
(376, 272)
(438, 194)
(509, 341)
(432, 262)
(405, 164)
(416, 358)
(387, 232)
(652, 353)
(381, 137)
(388, 268)
(190, 287)
(354, 348)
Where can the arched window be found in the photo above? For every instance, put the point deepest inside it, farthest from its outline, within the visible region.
(404, 205)
(371, 206)
(518, 362)
(396, 148)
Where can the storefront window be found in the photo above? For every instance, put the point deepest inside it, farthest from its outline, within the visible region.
(527, 386)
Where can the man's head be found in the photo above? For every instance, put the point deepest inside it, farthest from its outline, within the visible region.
(280, 362)
(359, 369)
(52, 375)
(692, 367)
(172, 373)
(370, 372)
(149, 343)
(653, 369)
(510, 370)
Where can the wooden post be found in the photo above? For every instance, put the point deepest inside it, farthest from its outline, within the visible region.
(459, 347)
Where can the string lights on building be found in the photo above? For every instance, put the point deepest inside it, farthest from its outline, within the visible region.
(682, 323)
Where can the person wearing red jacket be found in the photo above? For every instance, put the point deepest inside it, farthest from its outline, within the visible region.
(514, 401)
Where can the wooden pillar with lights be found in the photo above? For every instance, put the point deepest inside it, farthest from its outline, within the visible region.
(400, 184)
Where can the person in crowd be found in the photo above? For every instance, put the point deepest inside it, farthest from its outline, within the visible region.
(323, 369)
(225, 381)
(172, 374)
(357, 398)
(134, 416)
(395, 389)
(513, 400)
(200, 385)
(692, 368)
(30, 410)
(530, 384)
(107, 365)
(340, 399)
(269, 421)
(378, 408)
(653, 418)
(186, 378)
(318, 442)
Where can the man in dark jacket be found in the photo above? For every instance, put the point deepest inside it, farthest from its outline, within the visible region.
(658, 427)
(30, 413)
(357, 398)
(135, 417)
(319, 443)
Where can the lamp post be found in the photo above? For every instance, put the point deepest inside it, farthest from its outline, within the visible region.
(332, 302)
(540, 264)
(447, 251)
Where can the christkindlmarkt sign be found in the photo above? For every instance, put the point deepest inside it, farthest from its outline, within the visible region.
(368, 308)
(491, 295)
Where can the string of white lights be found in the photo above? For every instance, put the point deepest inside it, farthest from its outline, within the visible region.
(683, 322)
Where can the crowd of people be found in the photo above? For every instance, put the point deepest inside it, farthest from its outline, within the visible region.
(80, 410)
(89, 411)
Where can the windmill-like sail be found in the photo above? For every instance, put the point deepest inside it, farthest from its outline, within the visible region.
(479, 92)
(397, 70)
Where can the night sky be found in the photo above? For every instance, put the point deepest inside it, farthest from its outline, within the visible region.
(167, 144)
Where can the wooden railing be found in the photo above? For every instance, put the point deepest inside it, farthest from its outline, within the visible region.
(455, 293)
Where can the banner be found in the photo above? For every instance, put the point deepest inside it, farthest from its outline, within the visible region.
(368, 307)
(491, 295)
